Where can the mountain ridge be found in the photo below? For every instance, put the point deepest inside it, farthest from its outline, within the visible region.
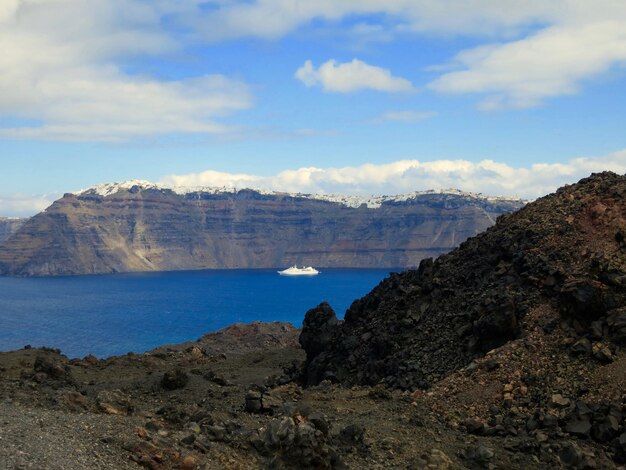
(371, 201)
(132, 227)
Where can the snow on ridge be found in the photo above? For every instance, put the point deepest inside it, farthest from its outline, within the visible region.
(372, 202)
(108, 189)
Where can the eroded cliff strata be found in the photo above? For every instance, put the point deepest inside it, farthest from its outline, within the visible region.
(8, 226)
(143, 227)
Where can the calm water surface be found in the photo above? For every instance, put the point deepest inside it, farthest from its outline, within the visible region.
(114, 314)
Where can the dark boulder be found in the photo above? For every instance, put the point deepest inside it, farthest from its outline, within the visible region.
(583, 300)
(570, 455)
(605, 430)
(267, 401)
(596, 330)
(582, 347)
(290, 443)
(619, 445)
(174, 379)
(318, 328)
(253, 402)
(352, 437)
(616, 321)
(479, 455)
(578, 427)
(495, 329)
(53, 368)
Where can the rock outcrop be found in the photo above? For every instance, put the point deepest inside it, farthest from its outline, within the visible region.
(143, 227)
(565, 251)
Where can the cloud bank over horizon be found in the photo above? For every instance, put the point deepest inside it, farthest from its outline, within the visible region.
(25, 205)
(487, 176)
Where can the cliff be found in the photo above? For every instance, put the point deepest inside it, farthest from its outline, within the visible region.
(8, 226)
(138, 226)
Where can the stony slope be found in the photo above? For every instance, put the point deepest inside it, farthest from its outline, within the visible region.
(8, 226)
(144, 227)
(225, 402)
(565, 251)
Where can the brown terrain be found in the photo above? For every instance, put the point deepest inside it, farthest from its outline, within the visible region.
(143, 228)
(507, 353)
(9, 226)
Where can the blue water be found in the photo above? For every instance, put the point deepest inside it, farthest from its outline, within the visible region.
(115, 314)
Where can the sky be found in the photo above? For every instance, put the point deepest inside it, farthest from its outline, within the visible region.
(328, 96)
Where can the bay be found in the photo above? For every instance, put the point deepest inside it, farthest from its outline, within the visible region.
(114, 314)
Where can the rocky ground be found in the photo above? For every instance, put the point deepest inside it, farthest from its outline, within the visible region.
(506, 354)
(232, 400)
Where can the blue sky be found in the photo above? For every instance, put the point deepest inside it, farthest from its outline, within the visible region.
(369, 96)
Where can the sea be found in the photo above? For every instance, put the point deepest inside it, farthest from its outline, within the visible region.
(108, 315)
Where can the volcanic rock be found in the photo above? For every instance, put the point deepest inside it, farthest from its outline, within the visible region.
(616, 320)
(582, 347)
(570, 455)
(298, 444)
(418, 326)
(53, 368)
(318, 327)
(174, 379)
(579, 427)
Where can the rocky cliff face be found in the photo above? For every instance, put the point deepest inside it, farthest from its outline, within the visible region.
(565, 252)
(9, 226)
(143, 227)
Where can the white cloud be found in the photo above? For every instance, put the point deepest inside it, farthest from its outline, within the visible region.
(404, 116)
(24, 205)
(487, 176)
(351, 76)
(555, 61)
(272, 19)
(59, 68)
(109, 106)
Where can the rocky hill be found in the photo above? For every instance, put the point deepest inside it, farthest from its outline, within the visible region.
(566, 251)
(139, 226)
(8, 226)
